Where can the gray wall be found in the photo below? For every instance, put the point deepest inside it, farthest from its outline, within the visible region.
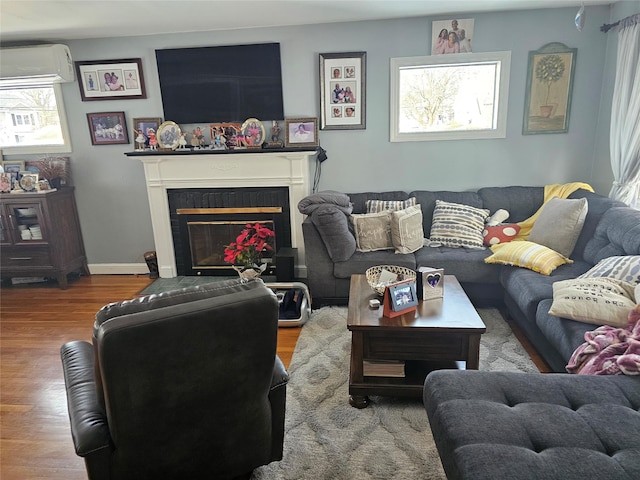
(110, 188)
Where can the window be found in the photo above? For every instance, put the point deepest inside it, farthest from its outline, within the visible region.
(449, 97)
(32, 120)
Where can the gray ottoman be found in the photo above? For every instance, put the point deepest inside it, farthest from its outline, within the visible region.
(516, 426)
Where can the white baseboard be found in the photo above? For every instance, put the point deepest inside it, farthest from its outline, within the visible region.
(118, 268)
(142, 268)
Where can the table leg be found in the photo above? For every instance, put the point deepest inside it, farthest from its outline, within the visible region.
(473, 354)
(358, 401)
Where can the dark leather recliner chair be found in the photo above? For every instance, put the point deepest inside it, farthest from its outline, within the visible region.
(181, 385)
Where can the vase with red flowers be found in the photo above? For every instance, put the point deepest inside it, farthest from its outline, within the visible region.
(245, 254)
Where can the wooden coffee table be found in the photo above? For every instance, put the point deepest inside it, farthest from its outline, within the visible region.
(441, 333)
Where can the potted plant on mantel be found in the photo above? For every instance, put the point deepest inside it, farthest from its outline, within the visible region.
(248, 249)
(54, 170)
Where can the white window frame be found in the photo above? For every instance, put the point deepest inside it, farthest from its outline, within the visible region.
(503, 60)
(65, 147)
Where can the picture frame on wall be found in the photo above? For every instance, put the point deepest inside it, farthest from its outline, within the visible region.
(443, 43)
(301, 132)
(343, 91)
(549, 89)
(107, 128)
(111, 79)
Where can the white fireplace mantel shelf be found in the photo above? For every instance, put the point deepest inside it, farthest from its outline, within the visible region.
(212, 169)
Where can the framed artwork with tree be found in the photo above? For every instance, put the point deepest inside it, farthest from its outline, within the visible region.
(549, 89)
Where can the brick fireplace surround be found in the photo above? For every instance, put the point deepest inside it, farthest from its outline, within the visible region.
(201, 169)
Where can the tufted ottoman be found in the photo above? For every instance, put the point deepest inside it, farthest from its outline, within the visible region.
(505, 425)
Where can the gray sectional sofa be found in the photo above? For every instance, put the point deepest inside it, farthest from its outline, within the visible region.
(610, 229)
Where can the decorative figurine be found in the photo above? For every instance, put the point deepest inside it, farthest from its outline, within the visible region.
(275, 136)
(141, 140)
(182, 142)
(218, 142)
(153, 141)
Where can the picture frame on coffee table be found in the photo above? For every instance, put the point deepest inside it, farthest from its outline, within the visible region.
(400, 298)
(343, 91)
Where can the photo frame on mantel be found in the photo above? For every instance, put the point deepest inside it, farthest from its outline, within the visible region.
(343, 92)
(549, 89)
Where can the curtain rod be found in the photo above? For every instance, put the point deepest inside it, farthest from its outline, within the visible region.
(608, 26)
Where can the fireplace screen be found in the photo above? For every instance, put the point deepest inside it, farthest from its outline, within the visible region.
(209, 239)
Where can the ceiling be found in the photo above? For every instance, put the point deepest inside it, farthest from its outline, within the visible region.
(49, 20)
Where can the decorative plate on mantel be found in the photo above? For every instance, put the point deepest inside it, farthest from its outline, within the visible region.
(253, 132)
(168, 135)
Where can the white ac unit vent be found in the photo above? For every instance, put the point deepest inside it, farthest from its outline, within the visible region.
(36, 64)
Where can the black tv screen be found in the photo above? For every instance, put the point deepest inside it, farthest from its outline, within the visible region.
(221, 84)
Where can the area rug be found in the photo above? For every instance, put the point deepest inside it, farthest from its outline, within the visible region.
(327, 439)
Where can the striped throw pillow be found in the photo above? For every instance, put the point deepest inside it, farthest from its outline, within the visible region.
(625, 268)
(529, 255)
(376, 206)
(458, 225)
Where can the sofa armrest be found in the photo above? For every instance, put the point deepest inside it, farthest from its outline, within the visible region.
(88, 420)
(277, 398)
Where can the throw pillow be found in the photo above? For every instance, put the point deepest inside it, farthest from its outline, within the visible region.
(601, 301)
(458, 225)
(559, 224)
(376, 206)
(407, 235)
(625, 268)
(373, 231)
(500, 233)
(529, 255)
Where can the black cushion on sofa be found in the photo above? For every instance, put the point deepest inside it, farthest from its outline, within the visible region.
(359, 200)
(618, 233)
(520, 202)
(427, 201)
(516, 426)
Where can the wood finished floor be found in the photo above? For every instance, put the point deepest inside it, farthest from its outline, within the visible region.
(35, 320)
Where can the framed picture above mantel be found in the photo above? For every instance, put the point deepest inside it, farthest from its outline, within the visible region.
(111, 79)
(343, 91)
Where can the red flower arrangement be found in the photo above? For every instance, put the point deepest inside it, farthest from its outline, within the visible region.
(250, 245)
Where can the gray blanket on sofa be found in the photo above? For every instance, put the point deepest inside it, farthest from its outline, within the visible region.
(310, 203)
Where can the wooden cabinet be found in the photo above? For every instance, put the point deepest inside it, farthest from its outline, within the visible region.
(40, 236)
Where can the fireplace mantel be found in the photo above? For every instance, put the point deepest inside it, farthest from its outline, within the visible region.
(280, 168)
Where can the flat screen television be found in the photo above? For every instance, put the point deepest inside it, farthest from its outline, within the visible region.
(228, 83)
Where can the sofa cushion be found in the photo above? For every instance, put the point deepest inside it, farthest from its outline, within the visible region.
(593, 300)
(563, 334)
(598, 205)
(559, 224)
(527, 288)
(527, 255)
(458, 225)
(509, 425)
(406, 229)
(333, 227)
(467, 264)
(626, 268)
(520, 202)
(373, 231)
(375, 206)
(500, 233)
(617, 233)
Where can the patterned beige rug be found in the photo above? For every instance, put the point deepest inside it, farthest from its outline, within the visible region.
(327, 439)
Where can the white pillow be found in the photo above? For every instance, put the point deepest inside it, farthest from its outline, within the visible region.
(600, 301)
(373, 231)
(407, 235)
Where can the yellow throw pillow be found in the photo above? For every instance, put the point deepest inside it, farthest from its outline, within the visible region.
(529, 255)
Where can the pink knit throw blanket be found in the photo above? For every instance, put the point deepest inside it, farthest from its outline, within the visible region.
(609, 350)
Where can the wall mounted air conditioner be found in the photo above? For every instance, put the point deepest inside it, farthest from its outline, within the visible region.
(36, 64)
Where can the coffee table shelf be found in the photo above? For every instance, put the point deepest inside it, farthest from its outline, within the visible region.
(441, 333)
